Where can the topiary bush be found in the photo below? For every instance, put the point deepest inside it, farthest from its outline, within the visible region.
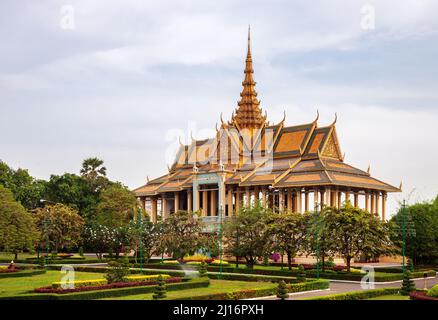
(202, 269)
(408, 284)
(282, 291)
(301, 275)
(160, 290)
(433, 292)
(117, 271)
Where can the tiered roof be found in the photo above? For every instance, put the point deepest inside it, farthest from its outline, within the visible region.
(253, 153)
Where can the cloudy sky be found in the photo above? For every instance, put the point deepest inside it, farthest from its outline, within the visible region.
(121, 79)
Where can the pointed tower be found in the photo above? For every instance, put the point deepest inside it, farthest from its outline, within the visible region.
(248, 113)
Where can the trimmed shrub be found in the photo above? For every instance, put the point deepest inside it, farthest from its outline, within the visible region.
(116, 271)
(82, 283)
(359, 295)
(218, 263)
(160, 289)
(421, 295)
(171, 262)
(282, 290)
(301, 276)
(408, 285)
(433, 292)
(202, 269)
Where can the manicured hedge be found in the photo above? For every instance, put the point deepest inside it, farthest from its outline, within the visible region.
(135, 271)
(263, 292)
(359, 295)
(249, 277)
(379, 276)
(111, 293)
(22, 273)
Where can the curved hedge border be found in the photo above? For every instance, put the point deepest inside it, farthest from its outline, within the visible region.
(256, 293)
(111, 293)
(358, 295)
(22, 273)
(379, 277)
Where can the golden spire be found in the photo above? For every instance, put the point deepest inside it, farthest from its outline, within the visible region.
(248, 114)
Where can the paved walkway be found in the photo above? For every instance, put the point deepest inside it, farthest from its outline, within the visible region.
(342, 287)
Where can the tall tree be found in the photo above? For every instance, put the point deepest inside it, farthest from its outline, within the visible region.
(94, 173)
(73, 191)
(356, 232)
(60, 226)
(247, 234)
(289, 234)
(26, 189)
(117, 206)
(17, 227)
(421, 226)
(181, 232)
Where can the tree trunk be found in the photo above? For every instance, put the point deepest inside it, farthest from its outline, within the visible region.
(289, 261)
(348, 263)
(16, 256)
(323, 262)
(237, 262)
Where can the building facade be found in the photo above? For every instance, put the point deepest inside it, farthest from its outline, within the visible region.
(294, 168)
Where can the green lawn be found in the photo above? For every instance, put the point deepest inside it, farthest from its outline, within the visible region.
(391, 297)
(16, 286)
(6, 256)
(216, 286)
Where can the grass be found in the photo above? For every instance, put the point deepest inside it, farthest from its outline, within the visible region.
(17, 286)
(216, 286)
(6, 256)
(391, 297)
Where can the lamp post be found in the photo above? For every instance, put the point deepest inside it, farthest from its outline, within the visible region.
(140, 237)
(45, 224)
(220, 241)
(404, 234)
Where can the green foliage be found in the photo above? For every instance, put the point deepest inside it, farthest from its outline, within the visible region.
(60, 225)
(181, 235)
(248, 234)
(301, 275)
(202, 269)
(359, 295)
(17, 227)
(408, 284)
(356, 232)
(26, 190)
(145, 237)
(117, 206)
(160, 289)
(288, 233)
(73, 191)
(117, 271)
(433, 292)
(421, 224)
(282, 290)
(81, 251)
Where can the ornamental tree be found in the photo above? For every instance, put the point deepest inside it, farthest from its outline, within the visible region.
(17, 227)
(117, 206)
(60, 225)
(247, 234)
(289, 234)
(181, 234)
(356, 232)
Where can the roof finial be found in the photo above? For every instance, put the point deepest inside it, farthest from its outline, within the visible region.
(336, 119)
(369, 169)
(249, 38)
(401, 186)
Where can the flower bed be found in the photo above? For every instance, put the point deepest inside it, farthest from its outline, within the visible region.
(421, 295)
(99, 282)
(115, 285)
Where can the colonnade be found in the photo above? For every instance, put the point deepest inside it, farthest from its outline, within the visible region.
(209, 202)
